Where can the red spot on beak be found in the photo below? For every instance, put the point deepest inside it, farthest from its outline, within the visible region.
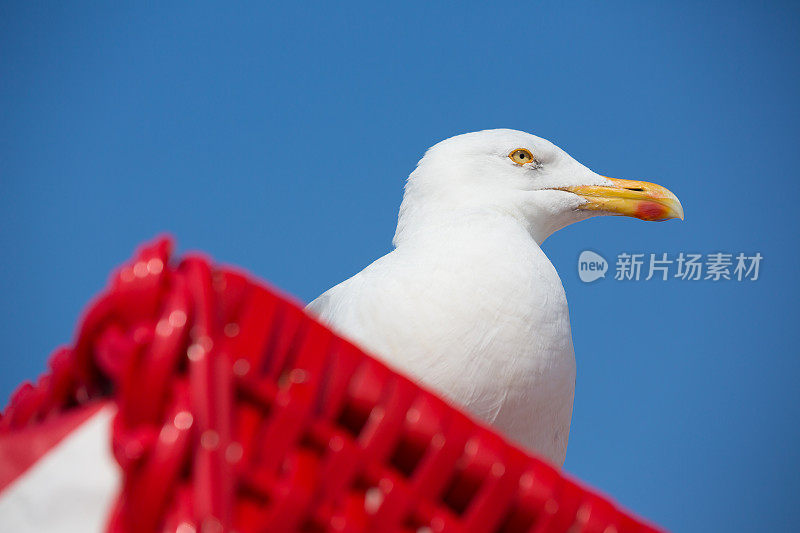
(650, 211)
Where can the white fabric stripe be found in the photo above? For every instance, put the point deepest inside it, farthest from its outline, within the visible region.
(71, 488)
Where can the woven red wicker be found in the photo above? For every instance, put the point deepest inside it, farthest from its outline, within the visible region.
(238, 412)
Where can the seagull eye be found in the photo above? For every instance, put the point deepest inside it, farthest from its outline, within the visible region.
(521, 156)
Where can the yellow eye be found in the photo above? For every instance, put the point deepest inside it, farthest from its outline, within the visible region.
(521, 156)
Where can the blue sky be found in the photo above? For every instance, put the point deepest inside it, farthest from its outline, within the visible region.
(278, 138)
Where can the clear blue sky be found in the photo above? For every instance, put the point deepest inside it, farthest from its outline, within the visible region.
(278, 139)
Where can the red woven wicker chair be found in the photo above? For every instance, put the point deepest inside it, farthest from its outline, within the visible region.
(235, 411)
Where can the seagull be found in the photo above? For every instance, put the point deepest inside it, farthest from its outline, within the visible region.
(467, 302)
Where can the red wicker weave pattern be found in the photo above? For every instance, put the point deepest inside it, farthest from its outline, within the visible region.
(237, 412)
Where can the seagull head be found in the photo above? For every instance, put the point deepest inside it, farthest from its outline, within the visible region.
(517, 174)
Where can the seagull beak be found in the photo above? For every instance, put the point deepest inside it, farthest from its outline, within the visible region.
(638, 199)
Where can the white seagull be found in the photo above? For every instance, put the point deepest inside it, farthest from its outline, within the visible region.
(467, 302)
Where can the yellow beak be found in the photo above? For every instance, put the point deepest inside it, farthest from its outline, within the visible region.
(638, 199)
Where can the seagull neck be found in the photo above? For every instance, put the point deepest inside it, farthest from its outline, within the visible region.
(462, 227)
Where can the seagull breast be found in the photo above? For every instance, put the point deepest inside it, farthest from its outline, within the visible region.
(477, 312)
